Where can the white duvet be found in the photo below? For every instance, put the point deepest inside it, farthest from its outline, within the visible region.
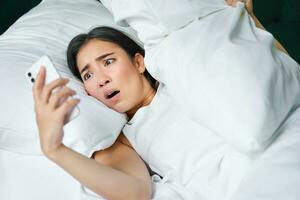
(224, 72)
(275, 176)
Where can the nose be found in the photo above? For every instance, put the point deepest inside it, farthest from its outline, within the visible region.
(103, 79)
(102, 75)
(103, 82)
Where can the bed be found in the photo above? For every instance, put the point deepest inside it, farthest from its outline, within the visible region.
(26, 174)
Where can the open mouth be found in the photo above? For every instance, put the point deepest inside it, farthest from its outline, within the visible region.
(112, 94)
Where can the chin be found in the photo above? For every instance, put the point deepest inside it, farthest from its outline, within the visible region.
(119, 110)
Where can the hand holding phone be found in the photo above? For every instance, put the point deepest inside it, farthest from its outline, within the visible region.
(51, 75)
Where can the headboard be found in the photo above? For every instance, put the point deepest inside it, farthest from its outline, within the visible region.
(280, 17)
(11, 10)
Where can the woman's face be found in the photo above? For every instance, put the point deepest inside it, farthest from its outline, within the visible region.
(111, 76)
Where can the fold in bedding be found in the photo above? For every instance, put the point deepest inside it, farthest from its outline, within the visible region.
(220, 68)
(224, 73)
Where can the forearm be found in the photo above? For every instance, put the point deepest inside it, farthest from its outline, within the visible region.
(259, 25)
(105, 181)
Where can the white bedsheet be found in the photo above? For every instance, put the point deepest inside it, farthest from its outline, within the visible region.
(27, 177)
(30, 177)
(276, 176)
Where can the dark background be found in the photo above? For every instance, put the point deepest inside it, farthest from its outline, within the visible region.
(280, 17)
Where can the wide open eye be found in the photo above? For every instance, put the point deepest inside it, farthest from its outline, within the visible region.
(87, 76)
(108, 61)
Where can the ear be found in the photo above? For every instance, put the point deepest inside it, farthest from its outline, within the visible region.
(139, 62)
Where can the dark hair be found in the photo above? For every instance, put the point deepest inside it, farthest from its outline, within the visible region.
(105, 34)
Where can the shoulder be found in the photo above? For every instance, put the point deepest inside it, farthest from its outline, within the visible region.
(124, 158)
(111, 155)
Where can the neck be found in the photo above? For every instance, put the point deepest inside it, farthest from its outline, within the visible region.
(149, 95)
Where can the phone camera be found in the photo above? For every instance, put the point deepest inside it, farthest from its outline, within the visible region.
(29, 74)
(32, 80)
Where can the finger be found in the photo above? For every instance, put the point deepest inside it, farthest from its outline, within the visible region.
(60, 96)
(229, 2)
(39, 83)
(68, 105)
(47, 91)
(234, 2)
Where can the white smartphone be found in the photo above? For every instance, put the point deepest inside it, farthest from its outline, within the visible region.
(51, 75)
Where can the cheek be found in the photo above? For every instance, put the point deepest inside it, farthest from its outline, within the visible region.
(91, 90)
(125, 74)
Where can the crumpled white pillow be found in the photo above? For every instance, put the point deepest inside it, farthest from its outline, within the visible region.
(223, 71)
(47, 29)
(155, 19)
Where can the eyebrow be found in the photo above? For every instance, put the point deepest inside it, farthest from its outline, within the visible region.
(97, 59)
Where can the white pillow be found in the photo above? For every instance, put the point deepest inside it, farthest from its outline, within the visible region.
(222, 70)
(47, 29)
(157, 18)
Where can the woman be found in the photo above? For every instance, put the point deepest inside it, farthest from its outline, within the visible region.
(113, 71)
(119, 166)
